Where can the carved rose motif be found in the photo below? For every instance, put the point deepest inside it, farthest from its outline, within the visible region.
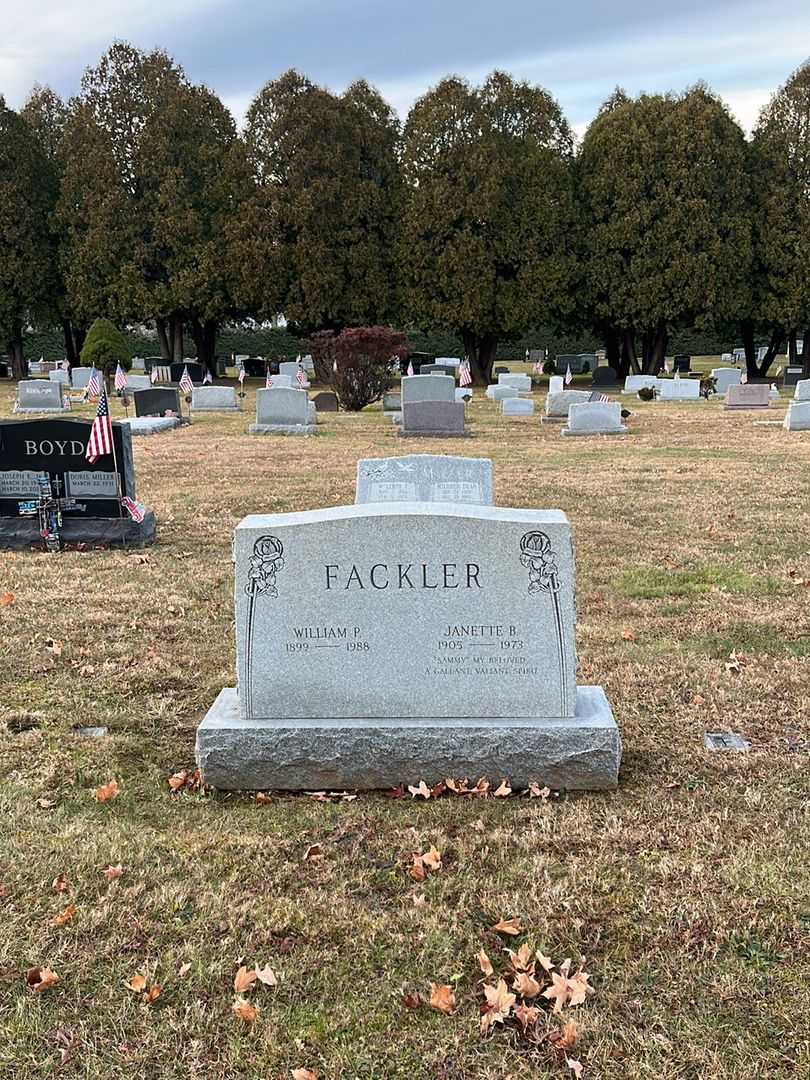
(265, 562)
(536, 554)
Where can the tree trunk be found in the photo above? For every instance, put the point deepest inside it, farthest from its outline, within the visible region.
(15, 353)
(163, 338)
(629, 361)
(806, 354)
(751, 364)
(658, 349)
(71, 355)
(791, 347)
(774, 345)
(613, 352)
(480, 350)
(178, 347)
(205, 338)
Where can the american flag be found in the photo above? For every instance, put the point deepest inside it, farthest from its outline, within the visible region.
(135, 509)
(186, 385)
(93, 388)
(268, 381)
(537, 367)
(300, 378)
(410, 368)
(569, 378)
(208, 378)
(743, 376)
(603, 399)
(241, 375)
(153, 376)
(666, 365)
(464, 373)
(120, 378)
(101, 436)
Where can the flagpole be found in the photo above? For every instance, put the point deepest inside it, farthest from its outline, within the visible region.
(117, 477)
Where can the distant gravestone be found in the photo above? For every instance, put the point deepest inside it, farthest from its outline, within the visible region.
(138, 364)
(255, 366)
(56, 449)
(449, 361)
(278, 382)
(595, 418)
(424, 478)
(427, 388)
(214, 399)
(151, 425)
(724, 378)
(557, 405)
(195, 371)
(392, 403)
(283, 410)
(797, 418)
(432, 419)
(802, 391)
(325, 401)
(500, 391)
(291, 368)
(59, 376)
(678, 390)
(157, 401)
(517, 406)
(521, 382)
(379, 643)
(556, 384)
(500, 371)
(604, 376)
(748, 396)
(634, 383)
(682, 363)
(37, 395)
(793, 374)
(138, 382)
(80, 377)
(537, 356)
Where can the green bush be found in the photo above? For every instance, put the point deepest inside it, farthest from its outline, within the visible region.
(105, 347)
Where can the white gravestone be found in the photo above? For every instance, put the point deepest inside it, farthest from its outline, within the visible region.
(427, 388)
(214, 399)
(797, 418)
(384, 643)
(283, 411)
(138, 382)
(748, 396)
(277, 382)
(557, 405)
(725, 377)
(499, 392)
(80, 377)
(802, 390)
(523, 383)
(517, 406)
(556, 384)
(634, 383)
(290, 368)
(59, 376)
(432, 419)
(448, 361)
(425, 478)
(37, 395)
(595, 418)
(679, 390)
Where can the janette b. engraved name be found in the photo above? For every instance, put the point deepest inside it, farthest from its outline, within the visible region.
(404, 576)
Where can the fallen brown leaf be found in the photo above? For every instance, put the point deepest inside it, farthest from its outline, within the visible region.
(40, 978)
(442, 998)
(6, 599)
(64, 916)
(411, 1000)
(60, 883)
(137, 984)
(262, 798)
(526, 1015)
(421, 789)
(485, 963)
(183, 970)
(628, 635)
(503, 790)
(106, 792)
(152, 994)
(112, 873)
(266, 976)
(314, 853)
(244, 1010)
(244, 979)
(178, 780)
(304, 1074)
(526, 985)
(498, 1006)
(507, 926)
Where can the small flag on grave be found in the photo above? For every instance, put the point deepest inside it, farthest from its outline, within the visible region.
(241, 375)
(186, 385)
(120, 378)
(153, 376)
(569, 378)
(208, 378)
(300, 377)
(135, 509)
(410, 368)
(268, 382)
(101, 436)
(743, 376)
(93, 388)
(464, 373)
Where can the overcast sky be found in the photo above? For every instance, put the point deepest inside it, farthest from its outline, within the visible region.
(578, 49)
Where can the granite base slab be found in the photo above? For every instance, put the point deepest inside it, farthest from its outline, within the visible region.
(569, 433)
(581, 753)
(433, 434)
(152, 425)
(215, 408)
(282, 429)
(20, 534)
(545, 419)
(17, 410)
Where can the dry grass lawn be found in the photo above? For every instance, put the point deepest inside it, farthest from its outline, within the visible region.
(687, 890)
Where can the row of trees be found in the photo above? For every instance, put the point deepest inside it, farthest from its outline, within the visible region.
(138, 200)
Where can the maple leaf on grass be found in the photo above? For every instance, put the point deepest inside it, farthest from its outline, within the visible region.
(304, 1074)
(178, 780)
(60, 883)
(421, 789)
(244, 979)
(40, 978)
(411, 1000)
(545, 962)
(498, 1004)
(522, 959)
(64, 916)
(485, 963)
(244, 1010)
(137, 984)
(511, 927)
(579, 988)
(503, 790)
(432, 859)
(266, 976)
(575, 1066)
(314, 853)
(526, 1015)
(152, 994)
(112, 873)
(6, 599)
(106, 792)
(526, 985)
(442, 998)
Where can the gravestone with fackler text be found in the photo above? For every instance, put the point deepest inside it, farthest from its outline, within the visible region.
(425, 478)
(214, 399)
(432, 419)
(57, 448)
(327, 698)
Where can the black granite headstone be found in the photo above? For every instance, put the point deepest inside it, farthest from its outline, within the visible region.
(57, 447)
(195, 371)
(255, 366)
(416, 359)
(156, 401)
(604, 376)
(153, 361)
(325, 401)
(682, 363)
